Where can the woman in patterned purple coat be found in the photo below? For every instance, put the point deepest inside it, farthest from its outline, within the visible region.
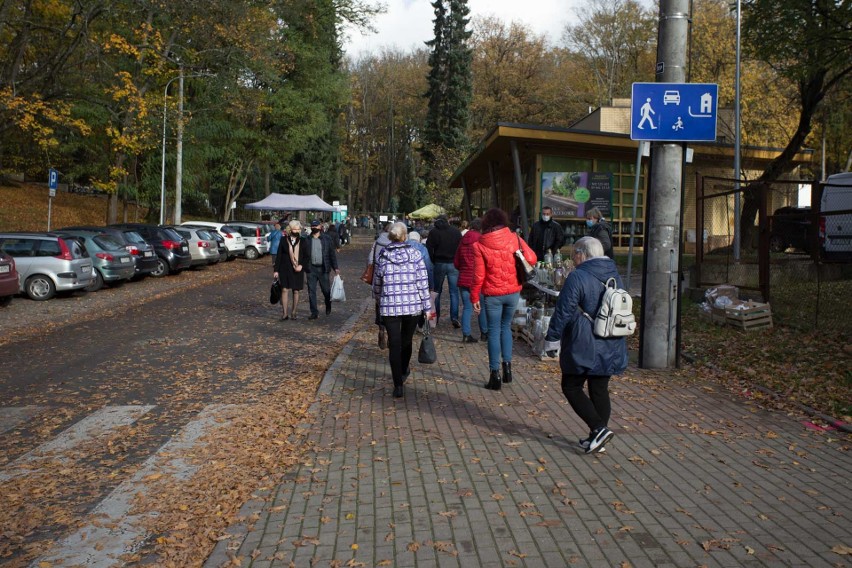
(401, 284)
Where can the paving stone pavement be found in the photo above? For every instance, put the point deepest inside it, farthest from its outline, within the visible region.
(456, 475)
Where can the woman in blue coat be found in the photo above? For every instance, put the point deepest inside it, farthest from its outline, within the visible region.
(585, 358)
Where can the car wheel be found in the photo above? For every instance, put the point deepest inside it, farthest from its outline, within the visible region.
(5, 301)
(776, 244)
(97, 282)
(162, 268)
(40, 287)
(252, 254)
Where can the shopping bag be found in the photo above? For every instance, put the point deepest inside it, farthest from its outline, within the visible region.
(275, 292)
(367, 276)
(338, 294)
(427, 353)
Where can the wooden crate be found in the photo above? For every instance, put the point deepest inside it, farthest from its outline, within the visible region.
(754, 315)
(715, 315)
(521, 333)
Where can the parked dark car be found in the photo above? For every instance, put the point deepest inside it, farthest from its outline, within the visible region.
(221, 247)
(144, 255)
(8, 279)
(790, 227)
(172, 249)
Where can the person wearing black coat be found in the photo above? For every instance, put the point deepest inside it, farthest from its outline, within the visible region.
(292, 262)
(331, 232)
(584, 357)
(546, 235)
(442, 244)
(600, 229)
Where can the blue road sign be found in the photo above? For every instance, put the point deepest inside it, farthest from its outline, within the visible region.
(52, 183)
(682, 112)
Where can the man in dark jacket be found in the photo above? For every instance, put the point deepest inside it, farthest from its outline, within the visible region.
(546, 235)
(323, 262)
(584, 356)
(442, 243)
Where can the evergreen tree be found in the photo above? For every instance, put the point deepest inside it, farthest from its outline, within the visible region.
(450, 82)
(437, 71)
(459, 77)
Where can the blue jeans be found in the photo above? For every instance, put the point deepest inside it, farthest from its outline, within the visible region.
(467, 313)
(448, 270)
(500, 310)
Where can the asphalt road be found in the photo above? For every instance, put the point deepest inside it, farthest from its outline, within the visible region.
(155, 363)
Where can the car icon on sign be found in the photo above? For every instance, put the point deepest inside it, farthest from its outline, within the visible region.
(671, 97)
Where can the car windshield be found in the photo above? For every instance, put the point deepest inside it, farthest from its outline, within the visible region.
(184, 233)
(225, 229)
(107, 242)
(202, 234)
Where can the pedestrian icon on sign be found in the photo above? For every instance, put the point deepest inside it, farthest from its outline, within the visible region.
(646, 111)
(678, 125)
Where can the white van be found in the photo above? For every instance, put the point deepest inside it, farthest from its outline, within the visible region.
(835, 231)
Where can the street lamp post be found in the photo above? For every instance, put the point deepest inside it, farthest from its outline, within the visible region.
(165, 110)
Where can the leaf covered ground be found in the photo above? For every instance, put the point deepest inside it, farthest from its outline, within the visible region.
(810, 368)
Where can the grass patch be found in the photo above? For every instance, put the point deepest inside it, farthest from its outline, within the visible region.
(25, 208)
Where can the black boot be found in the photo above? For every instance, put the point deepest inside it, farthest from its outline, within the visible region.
(507, 372)
(494, 381)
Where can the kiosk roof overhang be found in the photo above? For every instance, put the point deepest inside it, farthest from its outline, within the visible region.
(534, 139)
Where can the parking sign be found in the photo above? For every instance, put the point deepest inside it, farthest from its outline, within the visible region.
(52, 182)
(683, 112)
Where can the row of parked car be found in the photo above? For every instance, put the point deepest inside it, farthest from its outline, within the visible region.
(41, 265)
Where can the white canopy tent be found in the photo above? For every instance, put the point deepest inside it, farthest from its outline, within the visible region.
(291, 202)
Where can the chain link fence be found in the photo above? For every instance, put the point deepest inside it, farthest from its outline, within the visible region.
(798, 258)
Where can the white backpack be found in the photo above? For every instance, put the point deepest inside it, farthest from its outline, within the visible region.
(615, 316)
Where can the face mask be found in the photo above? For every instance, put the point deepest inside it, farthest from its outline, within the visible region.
(315, 229)
(590, 223)
(545, 218)
(295, 233)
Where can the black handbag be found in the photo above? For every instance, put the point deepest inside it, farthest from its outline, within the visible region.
(427, 353)
(275, 292)
(524, 270)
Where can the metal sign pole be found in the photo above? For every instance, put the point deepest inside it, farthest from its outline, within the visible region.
(639, 152)
(52, 184)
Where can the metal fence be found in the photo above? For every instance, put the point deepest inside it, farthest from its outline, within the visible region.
(788, 256)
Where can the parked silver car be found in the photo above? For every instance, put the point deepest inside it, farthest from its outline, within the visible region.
(254, 237)
(48, 263)
(112, 263)
(202, 246)
(233, 239)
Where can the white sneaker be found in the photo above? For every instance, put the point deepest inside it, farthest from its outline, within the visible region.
(601, 437)
(584, 445)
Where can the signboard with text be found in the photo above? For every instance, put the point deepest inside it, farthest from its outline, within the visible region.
(571, 194)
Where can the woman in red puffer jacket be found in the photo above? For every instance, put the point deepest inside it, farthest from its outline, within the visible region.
(495, 279)
(463, 261)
